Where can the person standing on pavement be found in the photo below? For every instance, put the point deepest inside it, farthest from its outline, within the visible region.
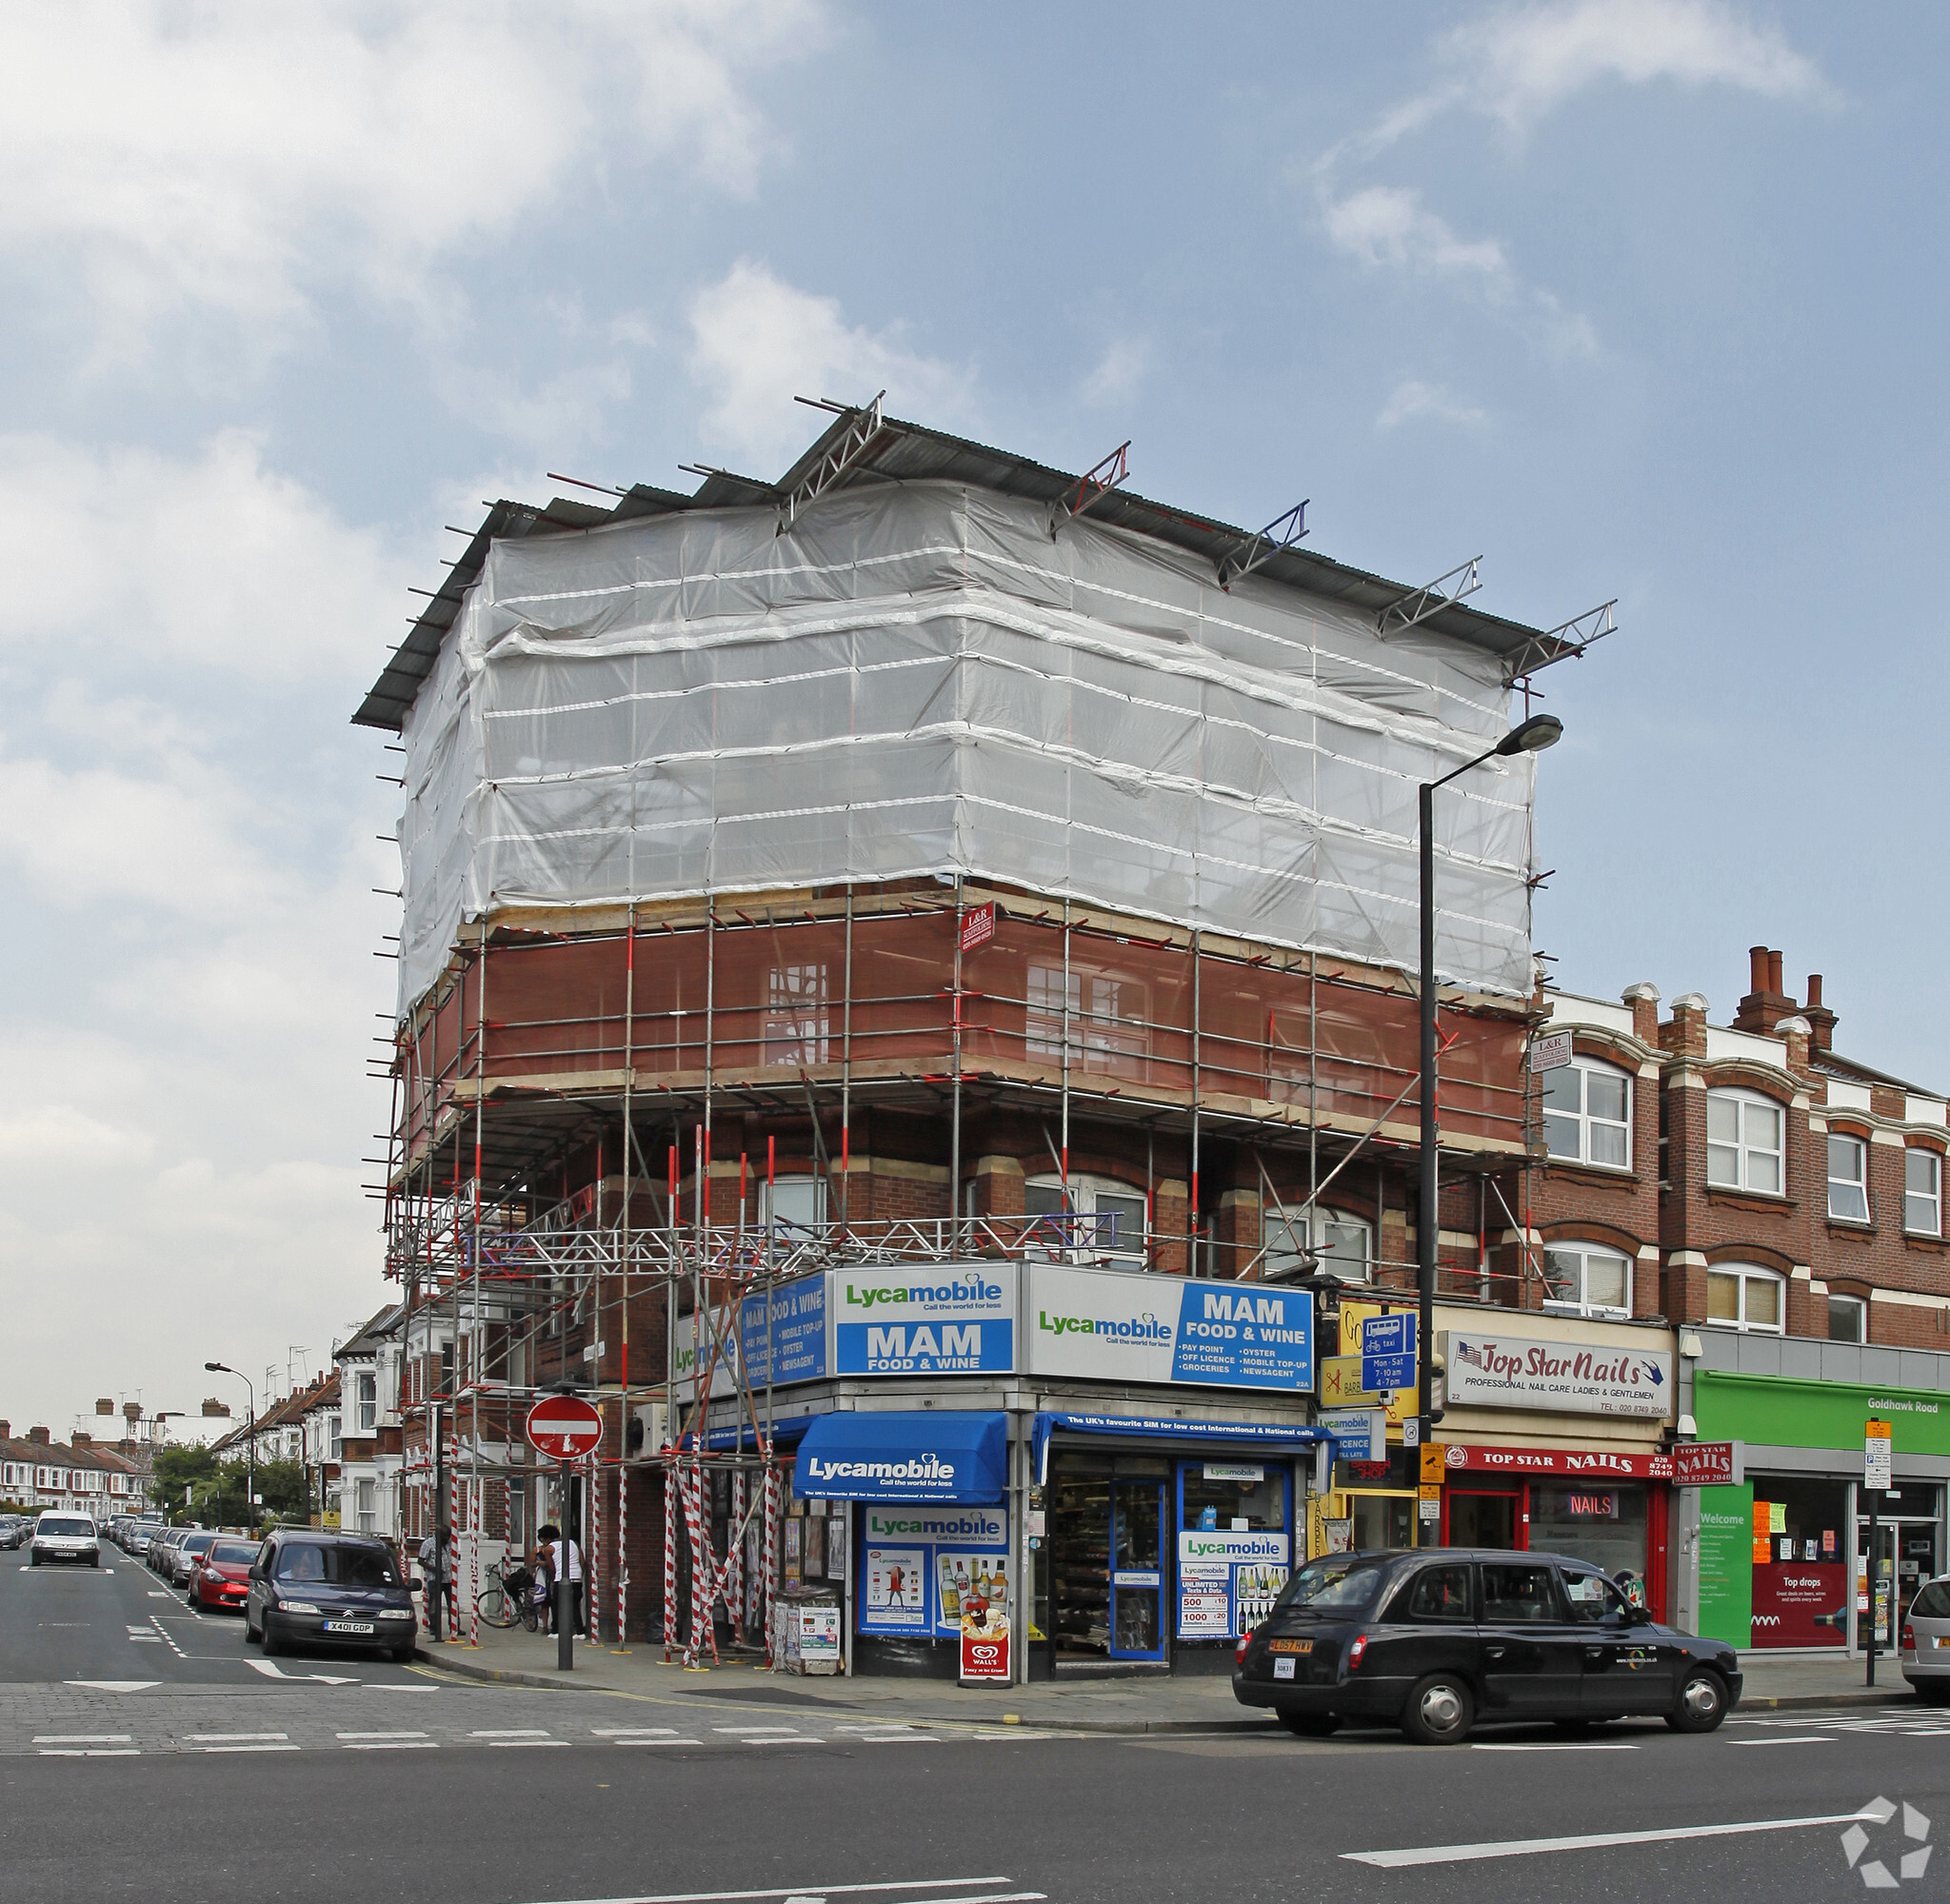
(564, 1555)
(436, 1569)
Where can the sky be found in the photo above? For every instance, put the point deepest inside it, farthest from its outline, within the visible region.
(1643, 299)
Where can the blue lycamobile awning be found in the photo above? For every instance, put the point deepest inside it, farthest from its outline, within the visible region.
(1268, 1437)
(960, 1457)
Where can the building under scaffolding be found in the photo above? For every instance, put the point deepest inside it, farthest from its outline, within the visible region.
(930, 858)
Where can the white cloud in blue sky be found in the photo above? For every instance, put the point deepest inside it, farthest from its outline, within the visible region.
(1637, 297)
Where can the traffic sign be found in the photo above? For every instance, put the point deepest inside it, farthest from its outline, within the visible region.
(1388, 1351)
(1878, 1468)
(564, 1427)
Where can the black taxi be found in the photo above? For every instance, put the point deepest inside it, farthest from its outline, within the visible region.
(1438, 1639)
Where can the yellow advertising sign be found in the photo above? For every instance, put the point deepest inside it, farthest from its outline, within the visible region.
(1340, 1388)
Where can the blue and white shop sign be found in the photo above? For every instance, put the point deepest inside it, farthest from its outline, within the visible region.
(951, 1318)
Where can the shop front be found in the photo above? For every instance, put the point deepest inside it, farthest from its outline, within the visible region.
(1797, 1554)
(1555, 1437)
(1110, 1464)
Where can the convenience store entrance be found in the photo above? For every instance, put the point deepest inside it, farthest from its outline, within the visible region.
(1106, 1561)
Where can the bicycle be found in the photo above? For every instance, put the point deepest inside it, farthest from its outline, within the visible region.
(508, 1597)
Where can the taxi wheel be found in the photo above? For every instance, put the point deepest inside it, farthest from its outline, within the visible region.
(1440, 1711)
(1702, 1703)
(1311, 1725)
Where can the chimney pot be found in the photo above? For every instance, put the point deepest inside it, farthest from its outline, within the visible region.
(1757, 961)
(1774, 973)
(1814, 988)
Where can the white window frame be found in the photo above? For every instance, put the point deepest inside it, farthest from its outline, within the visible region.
(1931, 1202)
(791, 1196)
(1749, 1273)
(366, 1399)
(1085, 1190)
(1744, 1149)
(1857, 1184)
(1586, 1068)
(1323, 1231)
(1862, 1313)
(798, 1019)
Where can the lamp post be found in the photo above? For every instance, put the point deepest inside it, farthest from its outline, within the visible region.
(249, 1441)
(1528, 737)
(162, 1415)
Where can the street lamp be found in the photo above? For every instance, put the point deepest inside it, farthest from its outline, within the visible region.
(250, 1440)
(1528, 737)
(161, 1415)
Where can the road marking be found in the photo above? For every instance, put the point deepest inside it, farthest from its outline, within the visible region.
(157, 1594)
(396, 1745)
(829, 1890)
(113, 1685)
(773, 1738)
(81, 1737)
(753, 1732)
(90, 1751)
(662, 1741)
(1464, 1853)
(531, 1733)
(633, 1732)
(234, 1737)
(897, 1738)
(248, 1748)
(1806, 1738)
(380, 1735)
(1567, 1746)
(517, 1744)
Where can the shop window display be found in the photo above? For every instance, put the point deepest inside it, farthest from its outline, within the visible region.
(1800, 1562)
(1604, 1522)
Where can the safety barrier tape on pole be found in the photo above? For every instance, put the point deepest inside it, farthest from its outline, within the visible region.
(622, 1563)
(593, 1487)
(442, 1563)
(771, 1550)
(476, 1490)
(734, 1555)
(669, 1555)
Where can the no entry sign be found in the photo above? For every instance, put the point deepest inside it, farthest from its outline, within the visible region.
(564, 1427)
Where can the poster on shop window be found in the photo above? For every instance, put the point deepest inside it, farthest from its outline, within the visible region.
(923, 1567)
(1227, 1580)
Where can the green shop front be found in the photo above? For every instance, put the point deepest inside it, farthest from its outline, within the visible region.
(1796, 1553)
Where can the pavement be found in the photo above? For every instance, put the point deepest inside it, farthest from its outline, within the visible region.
(1151, 1703)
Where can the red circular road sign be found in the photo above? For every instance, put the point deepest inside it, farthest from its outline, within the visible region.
(565, 1427)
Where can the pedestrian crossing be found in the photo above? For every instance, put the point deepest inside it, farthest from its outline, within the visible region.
(706, 1734)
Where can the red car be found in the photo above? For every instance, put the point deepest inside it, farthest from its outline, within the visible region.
(221, 1576)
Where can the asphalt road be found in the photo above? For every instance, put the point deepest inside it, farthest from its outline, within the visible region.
(377, 1783)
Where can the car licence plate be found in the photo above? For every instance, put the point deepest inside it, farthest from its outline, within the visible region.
(350, 1626)
(1282, 1669)
(1289, 1646)
(1939, 1640)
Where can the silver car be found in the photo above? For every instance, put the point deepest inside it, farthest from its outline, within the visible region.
(1926, 1641)
(65, 1537)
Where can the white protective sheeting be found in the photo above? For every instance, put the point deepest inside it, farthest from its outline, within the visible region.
(918, 681)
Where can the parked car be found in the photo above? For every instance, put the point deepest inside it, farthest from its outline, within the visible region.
(1436, 1640)
(1926, 1641)
(137, 1535)
(185, 1555)
(163, 1547)
(65, 1537)
(15, 1529)
(324, 1589)
(221, 1577)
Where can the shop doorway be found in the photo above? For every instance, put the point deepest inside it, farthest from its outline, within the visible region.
(1107, 1582)
(1484, 1519)
(1904, 1558)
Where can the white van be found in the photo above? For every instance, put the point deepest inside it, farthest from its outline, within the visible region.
(66, 1536)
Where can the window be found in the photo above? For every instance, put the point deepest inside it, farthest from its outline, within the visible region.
(798, 1025)
(366, 1496)
(1587, 1281)
(1438, 1594)
(1108, 1025)
(1923, 1192)
(1847, 1319)
(1743, 1142)
(1519, 1595)
(1593, 1598)
(1848, 1179)
(1106, 1217)
(333, 1440)
(365, 1389)
(796, 1204)
(1587, 1114)
(1340, 1244)
(1741, 1297)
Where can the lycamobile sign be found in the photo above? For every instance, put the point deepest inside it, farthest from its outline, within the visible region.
(1151, 1328)
(913, 1470)
(950, 1322)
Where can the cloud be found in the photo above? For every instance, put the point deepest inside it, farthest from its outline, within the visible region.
(1388, 227)
(758, 342)
(212, 560)
(1118, 372)
(235, 158)
(1518, 64)
(1411, 399)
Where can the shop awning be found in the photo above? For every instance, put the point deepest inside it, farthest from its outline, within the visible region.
(785, 1434)
(958, 1456)
(1272, 1438)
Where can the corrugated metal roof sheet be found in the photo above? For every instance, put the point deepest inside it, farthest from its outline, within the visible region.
(911, 452)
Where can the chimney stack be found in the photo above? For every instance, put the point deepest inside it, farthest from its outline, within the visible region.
(40, 1437)
(1766, 1004)
(104, 1405)
(80, 1440)
(6, 1431)
(1821, 1019)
